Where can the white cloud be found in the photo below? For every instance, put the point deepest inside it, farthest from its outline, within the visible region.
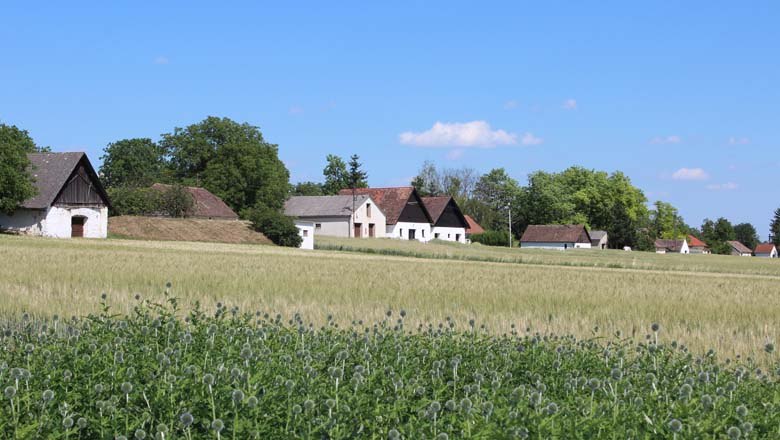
(530, 139)
(739, 140)
(510, 105)
(690, 174)
(570, 104)
(673, 139)
(161, 60)
(296, 110)
(460, 134)
(728, 186)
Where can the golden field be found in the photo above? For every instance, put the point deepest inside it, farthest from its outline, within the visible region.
(730, 304)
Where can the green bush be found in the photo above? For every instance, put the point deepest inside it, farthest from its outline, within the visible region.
(279, 228)
(176, 201)
(491, 238)
(135, 201)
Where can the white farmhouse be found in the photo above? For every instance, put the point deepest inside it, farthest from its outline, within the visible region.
(306, 232)
(559, 237)
(333, 215)
(70, 200)
(672, 247)
(449, 223)
(404, 210)
(766, 250)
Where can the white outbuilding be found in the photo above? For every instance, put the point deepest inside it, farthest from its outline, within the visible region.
(70, 200)
(339, 216)
(306, 232)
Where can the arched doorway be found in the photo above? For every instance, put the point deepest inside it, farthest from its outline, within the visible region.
(77, 223)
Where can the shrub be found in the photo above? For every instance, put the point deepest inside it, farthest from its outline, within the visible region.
(491, 238)
(176, 201)
(279, 228)
(135, 201)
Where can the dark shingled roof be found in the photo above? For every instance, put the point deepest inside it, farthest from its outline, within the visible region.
(435, 205)
(669, 245)
(474, 227)
(391, 201)
(597, 235)
(555, 234)
(322, 206)
(739, 247)
(206, 204)
(51, 172)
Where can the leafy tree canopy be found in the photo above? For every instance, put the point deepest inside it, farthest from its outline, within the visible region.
(307, 189)
(746, 234)
(717, 233)
(132, 163)
(16, 182)
(336, 175)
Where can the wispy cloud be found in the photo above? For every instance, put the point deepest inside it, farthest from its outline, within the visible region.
(477, 134)
(570, 104)
(690, 174)
(530, 139)
(739, 141)
(161, 60)
(296, 110)
(728, 186)
(510, 105)
(673, 139)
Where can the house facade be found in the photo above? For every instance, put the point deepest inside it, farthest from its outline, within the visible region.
(70, 200)
(599, 239)
(671, 247)
(766, 250)
(696, 246)
(306, 232)
(449, 223)
(558, 237)
(405, 213)
(740, 250)
(333, 215)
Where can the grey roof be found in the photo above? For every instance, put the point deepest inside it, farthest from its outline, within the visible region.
(322, 206)
(597, 235)
(739, 247)
(51, 172)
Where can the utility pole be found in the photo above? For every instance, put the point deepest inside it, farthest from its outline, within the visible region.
(509, 208)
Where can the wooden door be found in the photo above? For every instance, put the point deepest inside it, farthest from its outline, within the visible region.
(77, 226)
(358, 230)
(371, 232)
(411, 234)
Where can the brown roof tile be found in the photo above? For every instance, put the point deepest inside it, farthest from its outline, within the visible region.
(391, 201)
(474, 227)
(670, 245)
(555, 234)
(695, 242)
(739, 247)
(765, 248)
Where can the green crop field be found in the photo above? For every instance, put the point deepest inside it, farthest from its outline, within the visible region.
(382, 339)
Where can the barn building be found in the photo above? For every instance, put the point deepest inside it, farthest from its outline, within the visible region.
(740, 250)
(599, 239)
(766, 250)
(697, 246)
(559, 237)
(70, 200)
(332, 215)
(671, 247)
(404, 210)
(449, 223)
(205, 204)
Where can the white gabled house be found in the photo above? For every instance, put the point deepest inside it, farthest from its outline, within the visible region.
(333, 215)
(404, 210)
(449, 223)
(672, 246)
(766, 250)
(306, 232)
(70, 200)
(558, 237)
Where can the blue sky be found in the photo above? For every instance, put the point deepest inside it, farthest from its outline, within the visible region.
(681, 96)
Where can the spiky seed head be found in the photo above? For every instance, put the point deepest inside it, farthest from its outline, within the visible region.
(747, 427)
(162, 427)
(251, 401)
(81, 423)
(9, 392)
(139, 434)
(208, 379)
(186, 419)
(47, 395)
(655, 327)
(769, 348)
(734, 433)
(237, 396)
(217, 425)
(67, 423)
(442, 436)
(435, 406)
(742, 411)
(393, 434)
(675, 425)
(126, 388)
(308, 405)
(552, 408)
(330, 403)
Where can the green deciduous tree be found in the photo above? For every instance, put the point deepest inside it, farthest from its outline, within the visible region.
(717, 233)
(16, 182)
(336, 175)
(495, 191)
(231, 160)
(307, 189)
(279, 228)
(133, 163)
(774, 228)
(746, 234)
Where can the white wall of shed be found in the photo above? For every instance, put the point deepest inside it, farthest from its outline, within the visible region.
(449, 234)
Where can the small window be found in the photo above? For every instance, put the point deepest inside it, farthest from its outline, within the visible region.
(423, 233)
(401, 232)
(436, 235)
(305, 232)
(368, 210)
(318, 226)
(449, 235)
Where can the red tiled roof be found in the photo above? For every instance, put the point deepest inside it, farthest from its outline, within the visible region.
(435, 205)
(206, 204)
(474, 227)
(391, 201)
(555, 234)
(765, 248)
(695, 242)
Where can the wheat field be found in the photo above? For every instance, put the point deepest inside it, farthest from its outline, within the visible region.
(715, 305)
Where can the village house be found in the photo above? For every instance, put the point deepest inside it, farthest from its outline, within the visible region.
(405, 213)
(306, 232)
(449, 223)
(598, 239)
(559, 237)
(70, 200)
(474, 228)
(205, 204)
(740, 250)
(696, 246)
(333, 215)
(671, 246)
(766, 250)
